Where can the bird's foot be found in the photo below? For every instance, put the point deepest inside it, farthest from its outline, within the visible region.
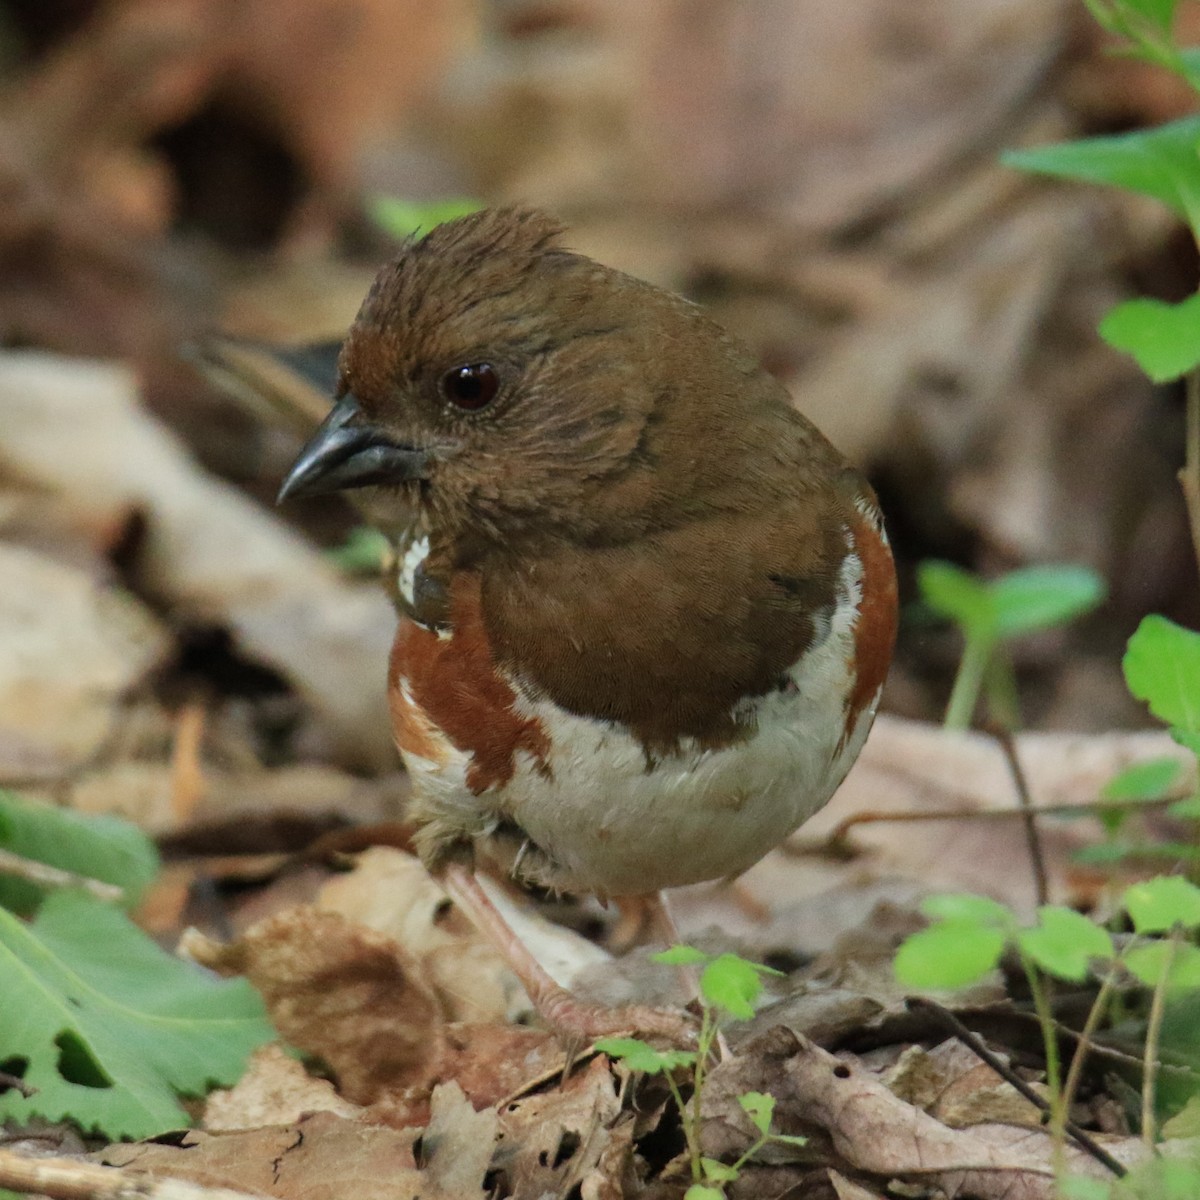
(579, 1022)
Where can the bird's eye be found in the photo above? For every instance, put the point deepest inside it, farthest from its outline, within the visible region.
(472, 387)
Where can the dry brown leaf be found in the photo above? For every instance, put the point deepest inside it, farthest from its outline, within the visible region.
(872, 1131)
(950, 1083)
(457, 1144)
(275, 1090)
(68, 650)
(77, 429)
(342, 992)
(551, 1141)
(323, 1157)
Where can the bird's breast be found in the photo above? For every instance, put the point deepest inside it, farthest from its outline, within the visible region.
(601, 813)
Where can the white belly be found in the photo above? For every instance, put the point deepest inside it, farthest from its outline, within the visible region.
(602, 818)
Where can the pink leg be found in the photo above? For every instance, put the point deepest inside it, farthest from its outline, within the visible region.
(572, 1018)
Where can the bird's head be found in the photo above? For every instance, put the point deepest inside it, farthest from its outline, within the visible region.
(509, 390)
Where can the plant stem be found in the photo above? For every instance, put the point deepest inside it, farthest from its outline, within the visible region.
(1079, 1057)
(708, 1031)
(964, 696)
(1153, 1035)
(1000, 688)
(689, 1134)
(1045, 1016)
(1189, 476)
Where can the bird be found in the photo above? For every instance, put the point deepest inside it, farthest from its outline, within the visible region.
(646, 608)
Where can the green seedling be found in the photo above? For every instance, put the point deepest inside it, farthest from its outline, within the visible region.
(969, 934)
(990, 613)
(729, 989)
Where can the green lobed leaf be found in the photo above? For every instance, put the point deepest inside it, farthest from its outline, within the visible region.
(966, 906)
(1164, 339)
(957, 594)
(1160, 162)
(111, 1027)
(1162, 667)
(1160, 12)
(1150, 779)
(1159, 904)
(733, 985)
(640, 1056)
(1063, 942)
(701, 1191)
(760, 1108)
(950, 954)
(681, 956)
(1077, 1187)
(100, 847)
(1043, 597)
(1147, 963)
(405, 218)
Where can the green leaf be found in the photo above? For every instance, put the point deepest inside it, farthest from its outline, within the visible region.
(733, 985)
(760, 1108)
(1103, 855)
(1163, 338)
(1162, 667)
(701, 1191)
(1188, 809)
(717, 1172)
(1186, 1122)
(1063, 942)
(1161, 163)
(1147, 963)
(109, 1026)
(100, 847)
(404, 218)
(966, 906)
(1158, 905)
(1043, 597)
(957, 594)
(681, 956)
(1150, 779)
(1189, 739)
(1076, 1187)
(362, 553)
(950, 954)
(1159, 12)
(639, 1056)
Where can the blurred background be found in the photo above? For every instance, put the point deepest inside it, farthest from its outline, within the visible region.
(823, 177)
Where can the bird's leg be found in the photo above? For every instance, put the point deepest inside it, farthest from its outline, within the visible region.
(642, 918)
(570, 1017)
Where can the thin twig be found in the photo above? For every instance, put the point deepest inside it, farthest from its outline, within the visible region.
(1037, 860)
(68, 1179)
(45, 875)
(797, 846)
(975, 1044)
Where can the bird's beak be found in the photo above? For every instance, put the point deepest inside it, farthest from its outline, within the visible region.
(349, 453)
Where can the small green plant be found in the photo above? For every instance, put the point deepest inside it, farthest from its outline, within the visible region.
(729, 988)
(969, 934)
(100, 1025)
(991, 613)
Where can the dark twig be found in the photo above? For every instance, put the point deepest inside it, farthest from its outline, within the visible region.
(1028, 817)
(975, 1044)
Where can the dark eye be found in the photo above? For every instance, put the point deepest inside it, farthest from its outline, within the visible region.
(472, 387)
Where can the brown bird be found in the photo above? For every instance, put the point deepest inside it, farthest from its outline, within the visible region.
(648, 607)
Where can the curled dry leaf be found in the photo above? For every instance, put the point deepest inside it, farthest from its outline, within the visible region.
(869, 1130)
(342, 992)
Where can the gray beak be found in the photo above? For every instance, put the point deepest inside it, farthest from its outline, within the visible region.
(342, 454)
